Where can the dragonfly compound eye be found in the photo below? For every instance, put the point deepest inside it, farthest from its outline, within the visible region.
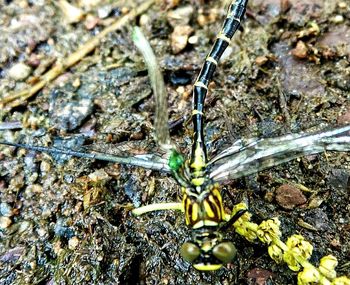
(225, 251)
(190, 252)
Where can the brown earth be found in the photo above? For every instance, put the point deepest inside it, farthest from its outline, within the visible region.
(67, 220)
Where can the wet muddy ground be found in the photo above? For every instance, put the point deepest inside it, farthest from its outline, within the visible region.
(67, 220)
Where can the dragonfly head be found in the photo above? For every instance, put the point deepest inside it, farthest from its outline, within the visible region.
(207, 251)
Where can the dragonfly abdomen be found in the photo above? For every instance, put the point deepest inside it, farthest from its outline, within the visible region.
(199, 154)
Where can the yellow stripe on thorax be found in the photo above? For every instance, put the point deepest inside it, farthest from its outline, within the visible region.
(209, 212)
(195, 212)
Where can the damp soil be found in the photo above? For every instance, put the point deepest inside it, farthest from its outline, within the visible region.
(67, 220)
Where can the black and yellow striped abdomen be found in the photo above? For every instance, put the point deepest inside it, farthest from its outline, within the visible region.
(232, 22)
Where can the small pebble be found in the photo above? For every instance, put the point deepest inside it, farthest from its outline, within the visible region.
(33, 177)
(137, 136)
(51, 41)
(34, 60)
(338, 19)
(300, 51)
(202, 20)
(261, 60)
(17, 182)
(342, 5)
(193, 40)
(45, 166)
(180, 90)
(23, 226)
(34, 188)
(88, 4)
(91, 22)
(104, 11)
(19, 71)
(22, 4)
(76, 83)
(169, 4)
(5, 210)
(5, 222)
(145, 20)
(179, 38)
(124, 10)
(71, 13)
(12, 255)
(41, 232)
(57, 247)
(73, 243)
(99, 175)
(180, 16)
(47, 212)
(211, 17)
(344, 118)
(289, 197)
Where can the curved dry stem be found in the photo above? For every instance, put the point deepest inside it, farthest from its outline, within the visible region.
(158, 87)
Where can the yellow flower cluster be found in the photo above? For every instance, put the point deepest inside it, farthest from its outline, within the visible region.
(295, 252)
(243, 226)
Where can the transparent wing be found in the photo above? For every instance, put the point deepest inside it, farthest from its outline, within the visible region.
(246, 157)
(149, 161)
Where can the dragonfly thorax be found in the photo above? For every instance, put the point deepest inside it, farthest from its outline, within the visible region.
(203, 206)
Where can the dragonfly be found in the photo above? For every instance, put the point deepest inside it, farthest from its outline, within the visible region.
(200, 176)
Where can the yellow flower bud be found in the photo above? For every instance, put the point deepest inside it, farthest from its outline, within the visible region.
(343, 280)
(292, 263)
(275, 253)
(329, 261)
(327, 265)
(251, 236)
(241, 231)
(269, 230)
(308, 276)
(245, 218)
(325, 281)
(245, 232)
(299, 246)
(294, 241)
(238, 207)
